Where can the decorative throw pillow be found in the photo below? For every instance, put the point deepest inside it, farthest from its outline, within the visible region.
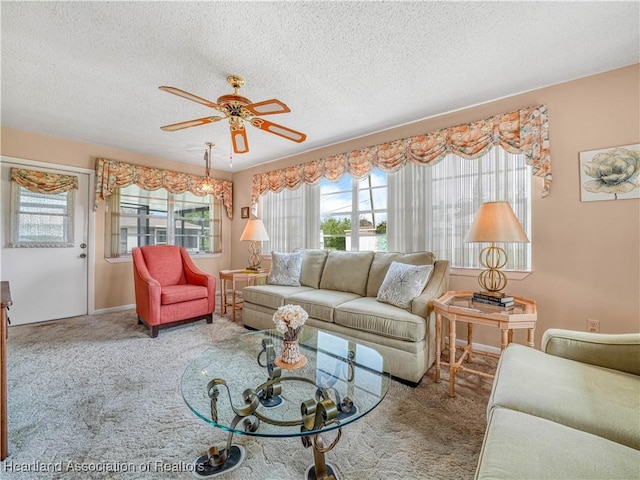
(285, 269)
(403, 283)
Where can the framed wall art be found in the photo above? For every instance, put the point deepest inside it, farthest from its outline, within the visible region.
(610, 173)
(244, 212)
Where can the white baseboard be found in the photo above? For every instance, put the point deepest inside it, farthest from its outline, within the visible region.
(477, 346)
(114, 309)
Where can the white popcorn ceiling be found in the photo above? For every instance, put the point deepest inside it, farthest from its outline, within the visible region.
(90, 71)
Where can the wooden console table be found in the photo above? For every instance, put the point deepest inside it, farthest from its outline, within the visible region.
(5, 303)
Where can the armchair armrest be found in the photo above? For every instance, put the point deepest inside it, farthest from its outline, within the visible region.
(147, 290)
(438, 284)
(616, 351)
(195, 276)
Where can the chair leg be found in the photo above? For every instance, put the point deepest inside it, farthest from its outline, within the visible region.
(210, 318)
(154, 331)
(139, 320)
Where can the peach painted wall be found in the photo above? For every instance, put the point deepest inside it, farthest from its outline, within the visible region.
(586, 256)
(113, 281)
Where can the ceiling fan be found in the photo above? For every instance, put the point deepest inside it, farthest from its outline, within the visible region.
(238, 109)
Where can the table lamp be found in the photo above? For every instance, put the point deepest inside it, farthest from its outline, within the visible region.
(495, 222)
(255, 233)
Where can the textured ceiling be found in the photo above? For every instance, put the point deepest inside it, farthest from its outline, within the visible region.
(90, 71)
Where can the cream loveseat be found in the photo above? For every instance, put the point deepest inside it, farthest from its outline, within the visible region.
(571, 411)
(338, 290)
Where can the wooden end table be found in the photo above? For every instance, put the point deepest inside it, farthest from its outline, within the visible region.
(457, 306)
(236, 278)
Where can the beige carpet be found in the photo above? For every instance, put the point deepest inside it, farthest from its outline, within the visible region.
(94, 394)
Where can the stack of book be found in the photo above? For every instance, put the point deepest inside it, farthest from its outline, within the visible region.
(255, 270)
(497, 299)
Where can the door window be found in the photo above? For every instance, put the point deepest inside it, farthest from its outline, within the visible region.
(41, 219)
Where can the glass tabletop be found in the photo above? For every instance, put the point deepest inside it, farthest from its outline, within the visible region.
(235, 386)
(465, 301)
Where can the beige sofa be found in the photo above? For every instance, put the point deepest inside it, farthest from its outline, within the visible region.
(338, 290)
(571, 411)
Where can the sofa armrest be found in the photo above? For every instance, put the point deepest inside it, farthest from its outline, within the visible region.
(616, 351)
(437, 285)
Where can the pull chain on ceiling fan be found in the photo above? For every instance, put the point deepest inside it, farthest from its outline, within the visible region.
(238, 110)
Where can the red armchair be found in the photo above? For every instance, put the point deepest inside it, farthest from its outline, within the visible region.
(170, 289)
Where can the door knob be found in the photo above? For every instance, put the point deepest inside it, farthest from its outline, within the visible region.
(83, 255)
(83, 245)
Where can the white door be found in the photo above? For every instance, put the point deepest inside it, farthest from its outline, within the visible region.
(46, 282)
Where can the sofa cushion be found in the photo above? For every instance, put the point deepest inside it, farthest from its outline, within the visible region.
(369, 315)
(346, 271)
(182, 293)
(518, 445)
(403, 283)
(320, 304)
(593, 399)
(382, 261)
(312, 265)
(285, 269)
(272, 296)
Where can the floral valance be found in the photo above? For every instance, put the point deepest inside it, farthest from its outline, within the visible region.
(44, 182)
(111, 174)
(521, 131)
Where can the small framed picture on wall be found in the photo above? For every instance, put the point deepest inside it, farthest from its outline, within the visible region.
(244, 212)
(610, 173)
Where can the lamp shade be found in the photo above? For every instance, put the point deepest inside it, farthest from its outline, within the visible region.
(254, 231)
(496, 222)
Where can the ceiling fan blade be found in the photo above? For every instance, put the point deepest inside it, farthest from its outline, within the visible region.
(276, 129)
(190, 123)
(189, 96)
(268, 107)
(239, 139)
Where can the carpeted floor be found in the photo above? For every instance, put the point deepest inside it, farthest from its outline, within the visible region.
(96, 397)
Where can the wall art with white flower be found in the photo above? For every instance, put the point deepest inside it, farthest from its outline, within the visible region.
(610, 173)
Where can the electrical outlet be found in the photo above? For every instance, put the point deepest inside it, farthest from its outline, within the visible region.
(593, 325)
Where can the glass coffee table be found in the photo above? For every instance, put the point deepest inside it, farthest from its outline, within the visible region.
(236, 387)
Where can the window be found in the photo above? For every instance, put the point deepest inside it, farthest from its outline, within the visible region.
(432, 208)
(140, 217)
(41, 219)
(291, 218)
(418, 208)
(350, 202)
(460, 187)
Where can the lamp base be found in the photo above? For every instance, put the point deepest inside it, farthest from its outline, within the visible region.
(492, 279)
(255, 256)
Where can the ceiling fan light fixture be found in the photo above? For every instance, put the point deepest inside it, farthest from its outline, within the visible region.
(207, 185)
(238, 109)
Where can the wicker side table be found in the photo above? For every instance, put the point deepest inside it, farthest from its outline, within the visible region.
(456, 306)
(235, 278)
